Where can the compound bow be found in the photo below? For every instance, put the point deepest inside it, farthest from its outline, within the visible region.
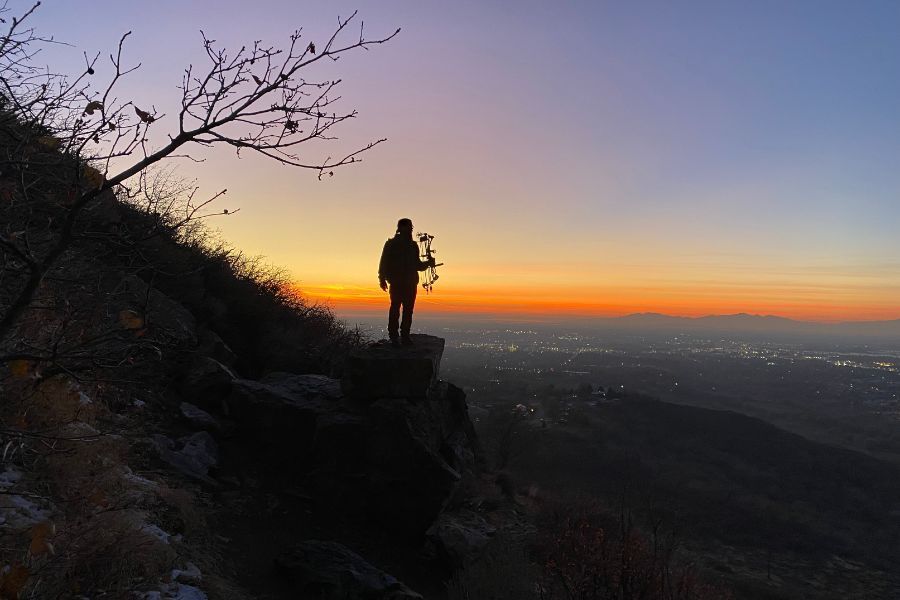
(427, 253)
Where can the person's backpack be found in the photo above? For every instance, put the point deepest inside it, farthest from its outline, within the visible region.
(394, 257)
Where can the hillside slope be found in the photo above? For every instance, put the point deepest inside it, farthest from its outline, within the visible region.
(770, 510)
(170, 423)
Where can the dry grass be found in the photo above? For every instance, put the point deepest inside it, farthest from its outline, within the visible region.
(103, 522)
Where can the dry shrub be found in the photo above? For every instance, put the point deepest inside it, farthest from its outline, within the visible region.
(257, 310)
(98, 535)
(109, 551)
(82, 465)
(60, 402)
(589, 555)
(503, 573)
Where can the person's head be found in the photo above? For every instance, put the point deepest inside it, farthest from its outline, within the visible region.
(405, 227)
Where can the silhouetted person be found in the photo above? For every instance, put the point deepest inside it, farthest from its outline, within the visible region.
(400, 266)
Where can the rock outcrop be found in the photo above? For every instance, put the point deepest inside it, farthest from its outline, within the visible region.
(385, 371)
(330, 571)
(393, 461)
(382, 458)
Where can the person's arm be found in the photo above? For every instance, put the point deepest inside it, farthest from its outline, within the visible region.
(382, 266)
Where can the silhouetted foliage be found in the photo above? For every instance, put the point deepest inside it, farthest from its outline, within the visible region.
(93, 144)
(253, 306)
(589, 556)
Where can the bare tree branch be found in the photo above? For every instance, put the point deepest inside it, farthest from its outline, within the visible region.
(257, 98)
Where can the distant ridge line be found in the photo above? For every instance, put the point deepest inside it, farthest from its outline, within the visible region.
(745, 323)
(744, 317)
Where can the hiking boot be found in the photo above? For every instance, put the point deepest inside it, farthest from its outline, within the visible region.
(407, 341)
(395, 341)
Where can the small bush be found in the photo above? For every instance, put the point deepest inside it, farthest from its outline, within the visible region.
(504, 573)
(589, 555)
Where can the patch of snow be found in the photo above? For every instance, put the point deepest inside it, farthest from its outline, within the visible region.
(139, 403)
(18, 512)
(198, 454)
(156, 532)
(131, 477)
(180, 591)
(189, 574)
(83, 399)
(10, 477)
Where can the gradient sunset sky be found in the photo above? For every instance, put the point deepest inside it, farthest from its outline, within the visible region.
(571, 157)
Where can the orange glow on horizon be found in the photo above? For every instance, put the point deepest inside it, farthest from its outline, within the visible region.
(535, 303)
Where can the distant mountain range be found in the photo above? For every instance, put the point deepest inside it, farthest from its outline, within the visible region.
(751, 324)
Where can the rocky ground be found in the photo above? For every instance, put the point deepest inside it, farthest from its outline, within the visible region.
(293, 485)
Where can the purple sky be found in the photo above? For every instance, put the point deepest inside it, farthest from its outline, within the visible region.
(691, 157)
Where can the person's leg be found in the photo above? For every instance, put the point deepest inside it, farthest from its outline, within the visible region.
(409, 302)
(394, 313)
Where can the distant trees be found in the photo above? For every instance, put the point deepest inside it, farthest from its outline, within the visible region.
(67, 142)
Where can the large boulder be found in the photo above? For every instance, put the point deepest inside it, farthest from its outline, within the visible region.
(383, 460)
(384, 371)
(331, 571)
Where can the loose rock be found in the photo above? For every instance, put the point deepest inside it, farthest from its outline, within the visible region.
(197, 455)
(199, 418)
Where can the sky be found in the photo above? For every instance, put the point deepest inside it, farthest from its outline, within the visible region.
(571, 158)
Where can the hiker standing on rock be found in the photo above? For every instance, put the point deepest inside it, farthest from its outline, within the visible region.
(399, 267)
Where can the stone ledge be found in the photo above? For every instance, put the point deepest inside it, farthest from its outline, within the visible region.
(384, 371)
